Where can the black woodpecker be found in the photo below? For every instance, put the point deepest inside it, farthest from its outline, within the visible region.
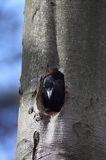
(53, 91)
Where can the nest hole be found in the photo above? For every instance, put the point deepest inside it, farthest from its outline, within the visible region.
(51, 94)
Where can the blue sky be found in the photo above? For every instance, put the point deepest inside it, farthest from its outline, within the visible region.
(11, 31)
(8, 132)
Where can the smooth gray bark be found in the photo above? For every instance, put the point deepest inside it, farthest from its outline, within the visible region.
(69, 35)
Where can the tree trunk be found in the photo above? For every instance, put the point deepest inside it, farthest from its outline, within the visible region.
(69, 35)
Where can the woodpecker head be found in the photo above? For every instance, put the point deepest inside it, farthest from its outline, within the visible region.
(49, 84)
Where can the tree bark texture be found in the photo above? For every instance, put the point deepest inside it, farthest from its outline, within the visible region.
(69, 35)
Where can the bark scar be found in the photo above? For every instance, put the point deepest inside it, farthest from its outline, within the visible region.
(37, 9)
(36, 138)
(20, 91)
(44, 156)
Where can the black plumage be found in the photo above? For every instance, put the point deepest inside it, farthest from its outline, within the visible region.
(53, 91)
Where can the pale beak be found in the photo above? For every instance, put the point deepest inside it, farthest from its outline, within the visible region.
(49, 93)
